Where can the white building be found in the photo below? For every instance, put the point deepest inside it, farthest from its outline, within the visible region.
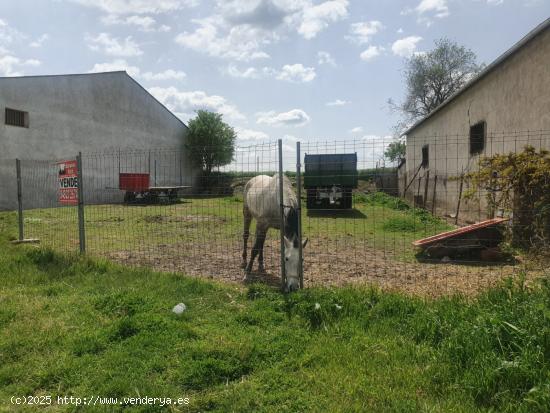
(502, 109)
(54, 117)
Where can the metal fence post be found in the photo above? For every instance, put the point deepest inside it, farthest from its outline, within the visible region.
(19, 199)
(299, 196)
(81, 228)
(282, 213)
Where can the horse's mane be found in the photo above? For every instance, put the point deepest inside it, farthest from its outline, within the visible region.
(291, 224)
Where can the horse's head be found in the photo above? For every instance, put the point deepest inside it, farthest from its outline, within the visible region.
(292, 261)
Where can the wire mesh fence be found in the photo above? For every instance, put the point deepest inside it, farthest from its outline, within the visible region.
(359, 212)
(46, 217)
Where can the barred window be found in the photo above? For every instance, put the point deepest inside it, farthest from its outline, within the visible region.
(477, 138)
(17, 118)
(426, 156)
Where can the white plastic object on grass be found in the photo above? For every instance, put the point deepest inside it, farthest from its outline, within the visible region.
(179, 308)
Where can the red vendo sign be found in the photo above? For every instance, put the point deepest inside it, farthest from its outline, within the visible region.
(68, 182)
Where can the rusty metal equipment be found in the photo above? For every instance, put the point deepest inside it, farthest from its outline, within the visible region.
(468, 240)
(137, 189)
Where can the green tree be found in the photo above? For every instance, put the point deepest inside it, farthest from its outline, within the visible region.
(432, 77)
(210, 141)
(395, 151)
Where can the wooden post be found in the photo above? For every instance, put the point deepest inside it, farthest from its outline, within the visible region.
(433, 196)
(418, 192)
(425, 199)
(459, 196)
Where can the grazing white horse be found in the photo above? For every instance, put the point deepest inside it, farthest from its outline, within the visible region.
(261, 202)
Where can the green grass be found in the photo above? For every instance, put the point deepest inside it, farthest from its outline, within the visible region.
(81, 327)
(381, 220)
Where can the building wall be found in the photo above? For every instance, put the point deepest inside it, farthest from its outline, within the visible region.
(513, 100)
(89, 113)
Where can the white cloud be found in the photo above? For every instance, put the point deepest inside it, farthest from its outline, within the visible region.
(439, 8)
(400, 30)
(107, 44)
(405, 47)
(426, 10)
(363, 31)
(495, 2)
(304, 16)
(266, 14)
(370, 52)
(39, 40)
(324, 58)
(184, 103)
(248, 73)
(137, 6)
(316, 18)
(297, 73)
(250, 134)
(8, 34)
(134, 71)
(12, 65)
(116, 65)
(357, 129)
(168, 74)
(242, 42)
(242, 29)
(338, 102)
(294, 117)
(143, 23)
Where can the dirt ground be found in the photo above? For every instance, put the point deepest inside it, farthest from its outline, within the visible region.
(355, 263)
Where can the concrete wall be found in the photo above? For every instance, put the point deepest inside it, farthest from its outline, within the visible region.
(513, 100)
(91, 113)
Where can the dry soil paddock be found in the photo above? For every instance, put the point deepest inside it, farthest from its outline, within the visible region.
(203, 237)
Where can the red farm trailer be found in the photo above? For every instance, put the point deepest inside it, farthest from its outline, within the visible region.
(137, 189)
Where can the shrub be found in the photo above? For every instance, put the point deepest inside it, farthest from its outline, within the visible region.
(517, 183)
(382, 199)
(401, 224)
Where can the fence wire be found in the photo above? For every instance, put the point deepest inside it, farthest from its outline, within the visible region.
(45, 219)
(360, 212)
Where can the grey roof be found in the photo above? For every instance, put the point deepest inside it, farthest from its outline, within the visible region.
(526, 39)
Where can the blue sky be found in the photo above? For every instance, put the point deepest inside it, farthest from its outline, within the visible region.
(274, 68)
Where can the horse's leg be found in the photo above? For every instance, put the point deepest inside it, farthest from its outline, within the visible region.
(247, 219)
(261, 254)
(258, 242)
